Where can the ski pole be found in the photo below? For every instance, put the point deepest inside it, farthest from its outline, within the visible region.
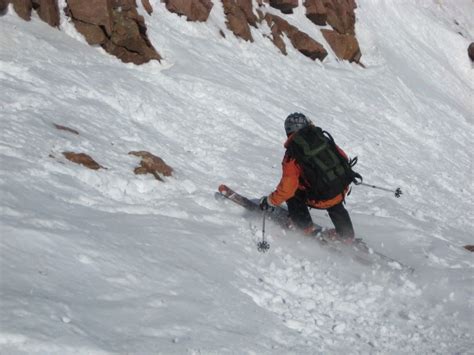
(397, 192)
(263, 245)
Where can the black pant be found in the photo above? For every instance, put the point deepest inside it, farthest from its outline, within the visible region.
(300, 216)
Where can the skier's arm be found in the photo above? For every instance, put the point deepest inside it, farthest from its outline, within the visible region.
(288, 184)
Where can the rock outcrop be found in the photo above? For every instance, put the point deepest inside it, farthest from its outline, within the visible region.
(23, 8)
(345, 46)
(147, 6)
(240, 17)
(3, 6)
(116, 26)
(285, 6)
(340, 15)
(194, 10)
(47, 10)
(316, 11)
(83, 159)
(151, 164)
(300, 40)
(470, 51)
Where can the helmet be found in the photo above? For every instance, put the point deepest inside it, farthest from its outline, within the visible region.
(295, 121)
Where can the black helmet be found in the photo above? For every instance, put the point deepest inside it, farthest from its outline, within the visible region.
(294, 122)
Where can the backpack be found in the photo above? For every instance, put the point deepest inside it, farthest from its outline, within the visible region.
(326, 172)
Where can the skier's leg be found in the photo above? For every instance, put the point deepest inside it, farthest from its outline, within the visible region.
(341, 220)
(299, 212)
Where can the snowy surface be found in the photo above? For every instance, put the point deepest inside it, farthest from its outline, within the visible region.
(99, 262)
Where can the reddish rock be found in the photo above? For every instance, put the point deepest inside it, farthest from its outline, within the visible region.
(151, 164)
(23, 8)
(345, 47)
(129, 41)
(64, 128)
(470, 51)
(48, 11)
(247, 8)
(285, 6)
(300, 40)
(95, 12)
(4, 5)
(92, 33)
(237, 20)
(124, 5)
(116, 26)
(340, 15)
(83, 159)
(308, 46)
(278, 26)
(194, 10)
(316, 12)
(147, 6)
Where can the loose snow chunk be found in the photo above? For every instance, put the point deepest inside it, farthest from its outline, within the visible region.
(339, 328)
(294, 324)
(395, 265)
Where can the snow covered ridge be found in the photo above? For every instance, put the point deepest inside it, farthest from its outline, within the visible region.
(104, 261)
(118, 28)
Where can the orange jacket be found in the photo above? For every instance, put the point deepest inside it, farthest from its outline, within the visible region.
(290, 182)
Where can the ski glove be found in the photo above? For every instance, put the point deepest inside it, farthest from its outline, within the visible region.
(264, 204)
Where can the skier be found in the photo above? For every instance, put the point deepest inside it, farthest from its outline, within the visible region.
(316, 174)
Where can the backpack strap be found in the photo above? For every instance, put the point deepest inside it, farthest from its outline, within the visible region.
(357, 179)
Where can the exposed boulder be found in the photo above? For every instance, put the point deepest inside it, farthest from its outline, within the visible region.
(247, 8)
(300, 40)
(23, 8)
(194, 10)
(346, 47)
(340, 15)
(92, 33)
(316, 11)
(116, 26)
(147, 6)
(239, 15)
(469, 247)
(151, 164)
(470, 51)
(64, 128)
(83, 159)
(285, 6)
(48, 11)
(97, 12)
(128, 40)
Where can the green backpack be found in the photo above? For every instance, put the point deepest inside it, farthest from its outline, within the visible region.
(325, 171)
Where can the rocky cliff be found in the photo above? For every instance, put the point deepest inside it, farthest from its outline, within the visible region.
(116, 25)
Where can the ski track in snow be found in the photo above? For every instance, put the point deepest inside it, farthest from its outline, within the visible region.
(99, 262)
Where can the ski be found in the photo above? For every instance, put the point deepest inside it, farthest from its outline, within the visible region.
(361, 245)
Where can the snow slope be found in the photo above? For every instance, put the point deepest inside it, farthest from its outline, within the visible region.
(99, 262)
